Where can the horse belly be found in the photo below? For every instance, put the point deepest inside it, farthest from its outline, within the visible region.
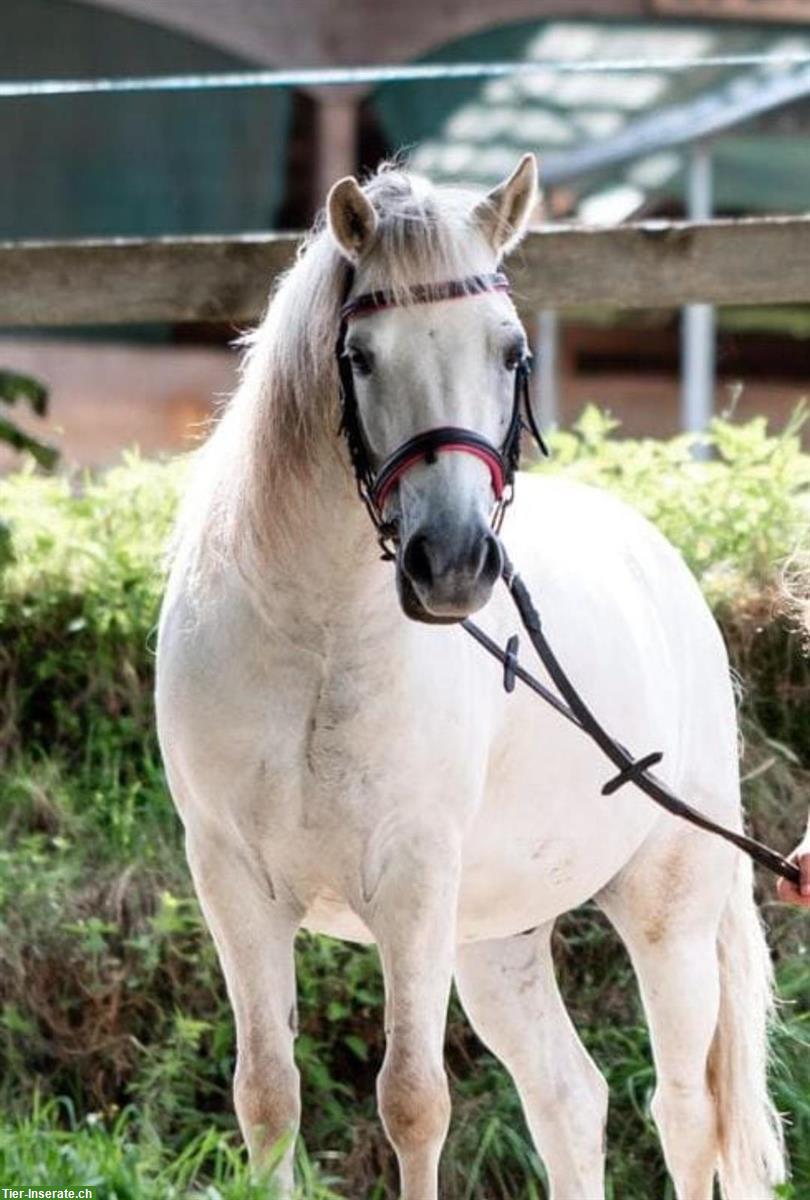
(545, 839)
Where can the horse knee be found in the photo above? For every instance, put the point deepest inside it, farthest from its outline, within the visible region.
(415, 1109)
(680, 1104)
(267, 1100)
(570, 1087)
(579, 1102)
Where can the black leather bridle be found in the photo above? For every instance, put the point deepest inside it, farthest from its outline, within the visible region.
(374, 488)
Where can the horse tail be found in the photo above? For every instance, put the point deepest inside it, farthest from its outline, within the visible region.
(752, 1159)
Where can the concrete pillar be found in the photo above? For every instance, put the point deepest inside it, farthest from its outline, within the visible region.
(337, 118)
(698, 320)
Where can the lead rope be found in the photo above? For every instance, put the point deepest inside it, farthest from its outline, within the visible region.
(575, 710)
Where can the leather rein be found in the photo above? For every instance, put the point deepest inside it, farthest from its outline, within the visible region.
(375, 487)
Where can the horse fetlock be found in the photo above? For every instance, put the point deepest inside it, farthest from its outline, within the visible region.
(415, 1110)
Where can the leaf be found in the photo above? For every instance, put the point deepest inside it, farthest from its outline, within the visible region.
(47, 456)
(14, 387)
(6, 546)
(357, 1046)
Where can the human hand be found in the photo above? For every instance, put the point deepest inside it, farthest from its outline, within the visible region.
(788, 891)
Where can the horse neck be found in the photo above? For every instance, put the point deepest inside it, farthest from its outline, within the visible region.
(322, 566)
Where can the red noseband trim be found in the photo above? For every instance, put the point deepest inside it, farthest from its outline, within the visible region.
(490, 458)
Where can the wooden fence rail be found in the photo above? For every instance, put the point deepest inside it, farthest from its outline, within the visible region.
(653, 264)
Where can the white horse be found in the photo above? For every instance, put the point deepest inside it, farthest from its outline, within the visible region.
(341, 768)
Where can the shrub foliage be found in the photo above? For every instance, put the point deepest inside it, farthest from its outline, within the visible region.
(115, 1032)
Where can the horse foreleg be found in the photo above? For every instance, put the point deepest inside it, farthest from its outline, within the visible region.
(412, 915)
(510, 994)
(254, 936)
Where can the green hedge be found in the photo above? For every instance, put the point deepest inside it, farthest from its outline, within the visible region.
(116, 1040)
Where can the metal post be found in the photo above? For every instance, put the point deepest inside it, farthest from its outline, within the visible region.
(548, 373)
(698, 320)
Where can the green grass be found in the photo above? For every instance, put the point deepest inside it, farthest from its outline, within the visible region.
(121, 1159)
(116, 1037)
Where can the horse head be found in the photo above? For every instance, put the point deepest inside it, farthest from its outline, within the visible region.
(431, 365)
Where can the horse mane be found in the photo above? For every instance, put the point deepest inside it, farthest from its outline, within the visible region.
(251, 478)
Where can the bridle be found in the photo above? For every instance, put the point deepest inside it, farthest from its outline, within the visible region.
(374, 488)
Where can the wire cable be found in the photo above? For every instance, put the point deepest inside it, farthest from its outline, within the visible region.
(407, 73)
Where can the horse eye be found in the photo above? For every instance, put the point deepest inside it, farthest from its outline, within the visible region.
(360, 361)
(513, 357)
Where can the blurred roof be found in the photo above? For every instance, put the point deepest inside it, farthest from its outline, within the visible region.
(137, 165)
(617, 138)
(306, 33)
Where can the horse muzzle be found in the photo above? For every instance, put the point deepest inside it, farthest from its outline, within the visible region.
(443, 579)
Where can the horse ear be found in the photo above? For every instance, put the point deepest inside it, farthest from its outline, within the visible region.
(503, 214)
(352, 219)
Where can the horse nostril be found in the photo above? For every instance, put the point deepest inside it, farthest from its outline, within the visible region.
(416, 561)
(491, 560)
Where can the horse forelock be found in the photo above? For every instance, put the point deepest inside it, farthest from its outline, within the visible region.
(424, 234)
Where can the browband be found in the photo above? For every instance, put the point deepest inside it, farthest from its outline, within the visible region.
(425, 293)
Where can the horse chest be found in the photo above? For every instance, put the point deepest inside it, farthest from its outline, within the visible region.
(370, 737)
(336, 741)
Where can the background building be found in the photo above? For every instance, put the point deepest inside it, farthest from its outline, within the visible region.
(612, 147)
